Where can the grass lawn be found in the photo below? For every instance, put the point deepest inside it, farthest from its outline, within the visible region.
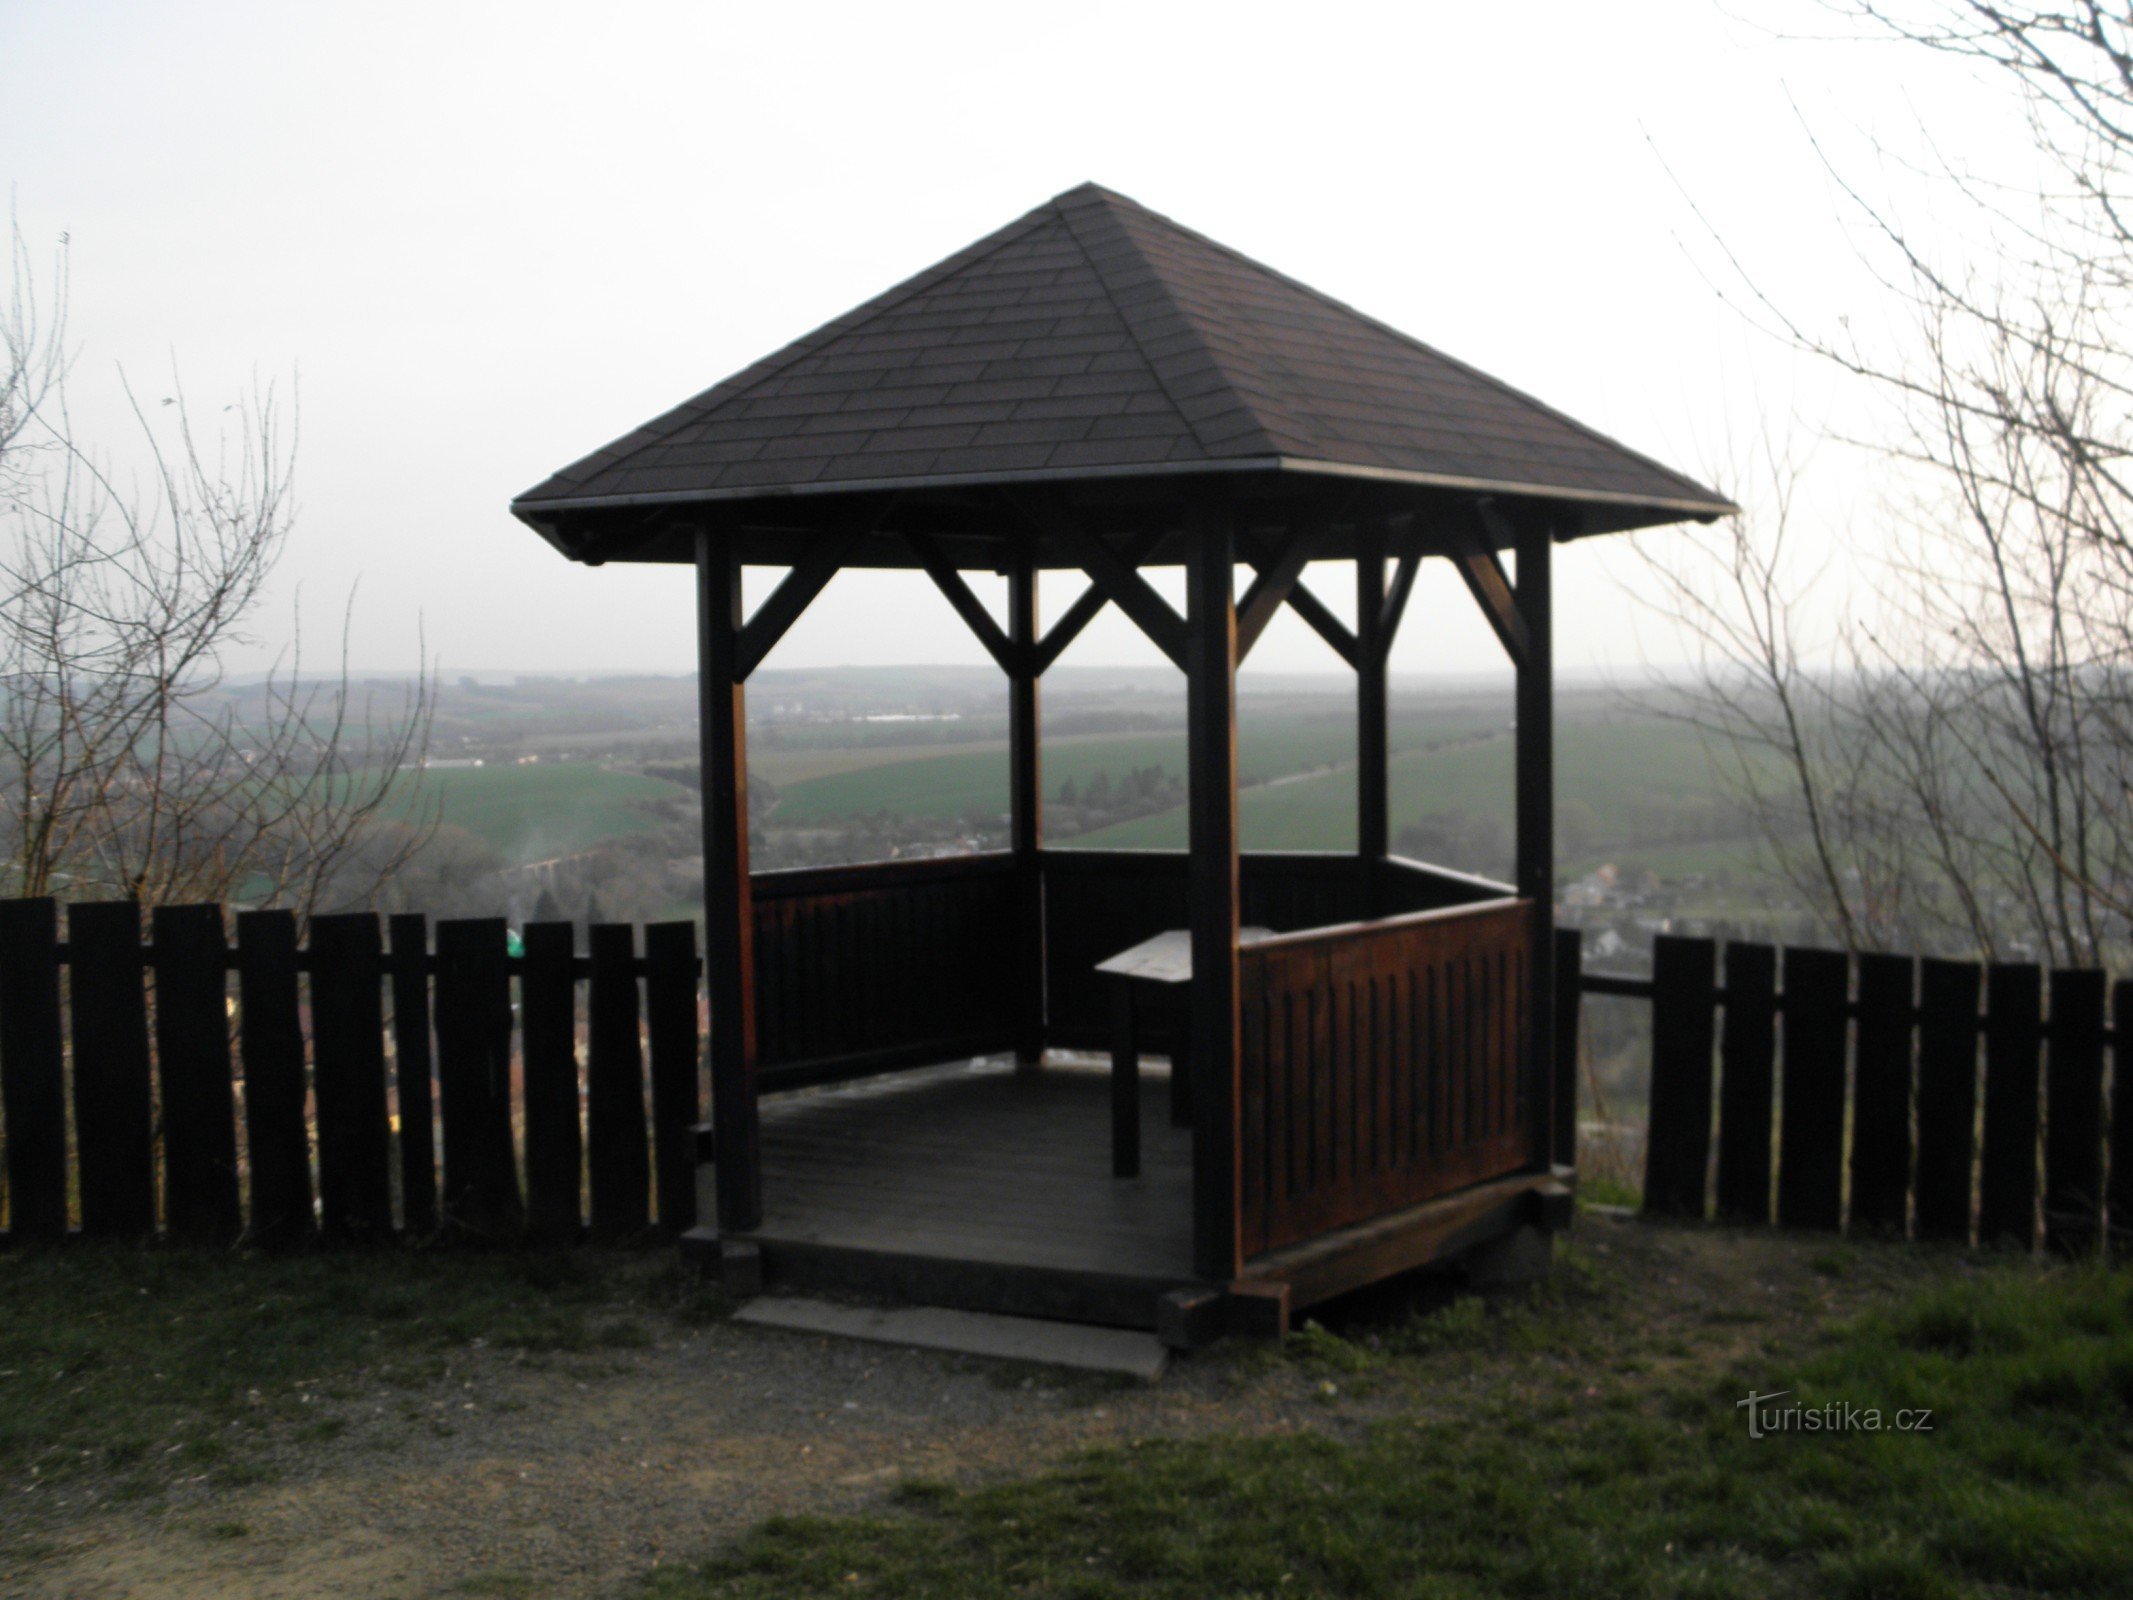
(1544, 1457)
(122, 1368)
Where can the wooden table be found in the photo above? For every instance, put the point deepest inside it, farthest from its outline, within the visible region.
(1163, 960)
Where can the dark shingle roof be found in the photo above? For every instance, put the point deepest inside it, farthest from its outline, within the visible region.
(1094, 338)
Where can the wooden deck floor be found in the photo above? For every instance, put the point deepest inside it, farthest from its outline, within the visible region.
(978, 1185)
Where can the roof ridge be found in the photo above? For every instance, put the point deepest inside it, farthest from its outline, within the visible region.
(1135, 321)
(1409, 340)
(764, 368)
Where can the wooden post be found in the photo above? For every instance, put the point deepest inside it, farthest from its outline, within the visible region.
(1536, 816)
(1211, 649)
(729, 903)
(1372, 772)
(1026, 807)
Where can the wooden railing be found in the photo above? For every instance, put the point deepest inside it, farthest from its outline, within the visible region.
(1383, 1065)
(1885, 1093)
(341, 1043)
(891, 964)
(1099, 902)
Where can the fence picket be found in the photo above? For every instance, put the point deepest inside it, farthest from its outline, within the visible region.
(114, 1115)
(1747, 1055)
(481, 1194)
(271, 1047)
(33, 1092)
(193, 1062)
(614, 1080)
(413, 1069)
(2119, 1199)
(1569, 964)
(2073, 1114)
(348, 1077)
(1677, 1145)
(670, 995)
(1947, 1096)
(548, 1009)
(1881, 1095)
(2007, 1179)
(1811, 1125)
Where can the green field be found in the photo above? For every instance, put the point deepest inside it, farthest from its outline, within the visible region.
(1271, 744)
(1624, 775)
(534, 812)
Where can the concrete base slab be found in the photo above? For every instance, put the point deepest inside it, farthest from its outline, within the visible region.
(975, 1333)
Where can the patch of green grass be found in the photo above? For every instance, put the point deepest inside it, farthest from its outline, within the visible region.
(1598, 1485)
(137, 1365)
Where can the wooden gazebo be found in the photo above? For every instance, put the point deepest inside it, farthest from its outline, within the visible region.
(1096, 387)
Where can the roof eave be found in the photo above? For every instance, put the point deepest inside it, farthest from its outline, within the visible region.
(535, 512)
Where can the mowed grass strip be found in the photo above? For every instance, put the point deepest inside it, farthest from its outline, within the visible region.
(133, 1367)
(1621, 1479)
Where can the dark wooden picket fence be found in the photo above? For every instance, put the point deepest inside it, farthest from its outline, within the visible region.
(355, 1056)
(1886, 1093)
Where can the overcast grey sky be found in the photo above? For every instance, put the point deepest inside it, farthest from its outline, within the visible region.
(492, 237)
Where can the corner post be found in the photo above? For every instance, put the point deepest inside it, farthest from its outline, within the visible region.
(1026, 807)
(1372, 772)
(1212, 760)
(1536, 821)
(729, 901)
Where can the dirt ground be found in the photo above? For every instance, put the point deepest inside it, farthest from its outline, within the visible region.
(572, 1476)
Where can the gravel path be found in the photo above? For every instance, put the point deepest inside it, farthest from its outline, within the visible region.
(570, 1476)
